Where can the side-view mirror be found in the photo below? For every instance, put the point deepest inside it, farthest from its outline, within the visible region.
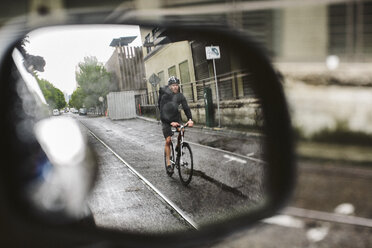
(239, 154)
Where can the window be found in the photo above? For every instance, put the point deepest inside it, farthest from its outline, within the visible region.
(350, 29)
(185, 80)
(172, 71)
(184, 71)
(161, 76)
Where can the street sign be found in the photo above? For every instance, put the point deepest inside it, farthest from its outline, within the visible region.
(154, 80)
(212, 52)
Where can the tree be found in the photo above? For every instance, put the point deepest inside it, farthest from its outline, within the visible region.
(53, 96)
(94, 81)
(31, 62)
(77, 99)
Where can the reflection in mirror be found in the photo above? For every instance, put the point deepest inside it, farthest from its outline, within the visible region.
(67, 172)
(59, 168)
(109, 79)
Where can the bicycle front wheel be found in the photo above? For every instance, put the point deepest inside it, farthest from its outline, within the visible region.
(186, 164)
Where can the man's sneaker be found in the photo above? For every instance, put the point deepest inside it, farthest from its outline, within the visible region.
(169, 170)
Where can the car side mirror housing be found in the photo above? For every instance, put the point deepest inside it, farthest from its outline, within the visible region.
(22, 143)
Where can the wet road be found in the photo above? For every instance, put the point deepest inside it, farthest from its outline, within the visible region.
(224, 182)
(322, 187)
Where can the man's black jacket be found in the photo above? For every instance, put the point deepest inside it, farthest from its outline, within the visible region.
(168, 105)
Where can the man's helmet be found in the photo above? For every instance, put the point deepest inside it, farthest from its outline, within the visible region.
(173, 80)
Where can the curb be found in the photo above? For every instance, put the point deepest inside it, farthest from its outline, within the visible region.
(223, 131)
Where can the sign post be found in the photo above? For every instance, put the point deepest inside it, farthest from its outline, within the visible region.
(154, 81)
(212, 53)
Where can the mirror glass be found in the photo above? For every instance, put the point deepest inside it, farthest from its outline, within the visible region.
(109, 80)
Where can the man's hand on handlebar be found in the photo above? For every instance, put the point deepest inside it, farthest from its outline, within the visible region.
(175, 124)
(190, 123)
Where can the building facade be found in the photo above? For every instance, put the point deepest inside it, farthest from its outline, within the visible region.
(127, 67)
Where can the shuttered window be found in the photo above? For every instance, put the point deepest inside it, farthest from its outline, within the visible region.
(172, 71)
(162, 79)
(350, 29)
(185, 80)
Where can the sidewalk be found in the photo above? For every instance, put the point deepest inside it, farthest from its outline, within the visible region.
(307, 150)
(335, 152)
(223, 130)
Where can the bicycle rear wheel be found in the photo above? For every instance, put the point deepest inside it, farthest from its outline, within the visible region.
(171, 159)
(186, 164)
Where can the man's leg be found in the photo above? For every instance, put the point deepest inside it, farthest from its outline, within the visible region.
(168, 141)
(167, 132)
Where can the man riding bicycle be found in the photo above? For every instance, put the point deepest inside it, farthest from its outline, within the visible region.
(168, 103)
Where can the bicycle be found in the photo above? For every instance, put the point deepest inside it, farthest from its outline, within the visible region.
(183, 160)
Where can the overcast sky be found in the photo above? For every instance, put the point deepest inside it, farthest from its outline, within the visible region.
(63, 48)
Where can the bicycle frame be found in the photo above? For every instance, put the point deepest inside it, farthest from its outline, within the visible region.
(181, 130)
(184, 167)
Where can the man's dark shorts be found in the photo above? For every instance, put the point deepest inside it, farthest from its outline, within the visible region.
(167, 129)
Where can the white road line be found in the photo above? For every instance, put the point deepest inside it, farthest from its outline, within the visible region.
(233, 158)
(284, 220)
(330, 217)
(169, 202)
(234, 154)
(287, 218)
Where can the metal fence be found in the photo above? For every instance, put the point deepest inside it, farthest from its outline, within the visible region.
(228, 111)
(232, 85)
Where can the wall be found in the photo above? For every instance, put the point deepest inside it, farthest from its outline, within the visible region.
(320, 98)
(159, 60)
(126, 63)
(244, 112)
(304, 33)
(121, 105)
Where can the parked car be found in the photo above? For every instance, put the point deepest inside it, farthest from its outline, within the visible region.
(56, 112)
(83, 111)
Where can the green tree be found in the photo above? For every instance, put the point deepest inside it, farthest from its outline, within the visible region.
(94, 81)
(77, 99)
(53, 96)
(31, 62)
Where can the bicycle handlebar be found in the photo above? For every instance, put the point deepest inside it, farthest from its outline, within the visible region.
(180, 127)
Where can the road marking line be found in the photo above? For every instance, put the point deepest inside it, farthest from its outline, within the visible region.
(234, 154)
(233, 158)
(169, 202)
(330, 217)
(285, 220)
